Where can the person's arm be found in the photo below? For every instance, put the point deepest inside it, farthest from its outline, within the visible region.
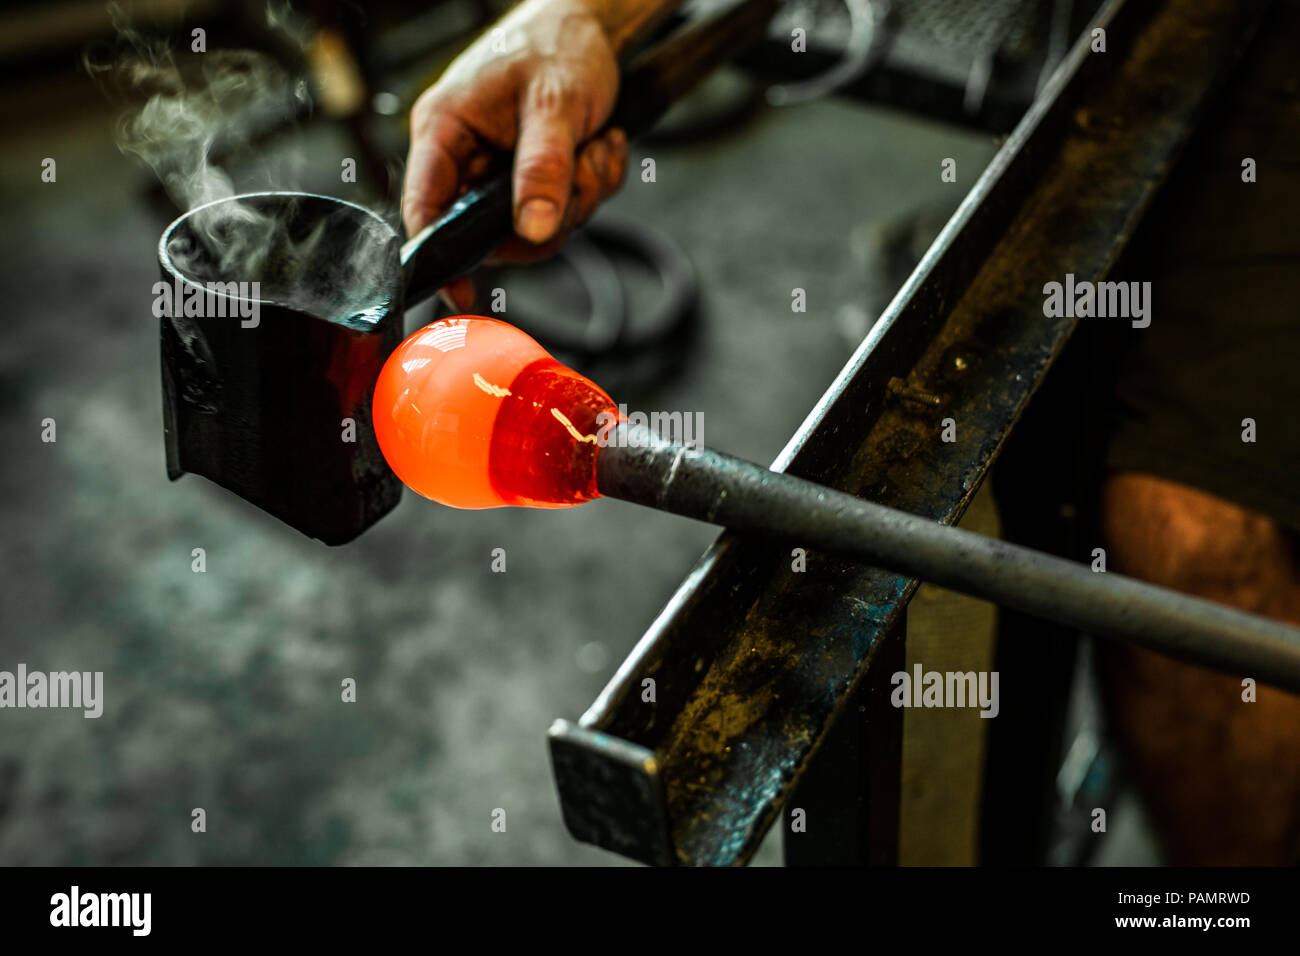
(541, 82)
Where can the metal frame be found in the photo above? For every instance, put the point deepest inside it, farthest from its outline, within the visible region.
(693, 748)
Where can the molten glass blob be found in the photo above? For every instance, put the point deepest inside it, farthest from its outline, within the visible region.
(472, 413)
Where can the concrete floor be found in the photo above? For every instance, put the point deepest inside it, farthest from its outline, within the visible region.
(222, 689)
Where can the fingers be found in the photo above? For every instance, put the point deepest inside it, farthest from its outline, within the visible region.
(442, 147)
(600, 168)
(544, 162)
(598, 173)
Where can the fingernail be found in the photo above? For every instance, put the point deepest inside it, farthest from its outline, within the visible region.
(447, 300)
(537, 220)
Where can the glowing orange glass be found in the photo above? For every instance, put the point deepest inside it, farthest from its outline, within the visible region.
(472, 413)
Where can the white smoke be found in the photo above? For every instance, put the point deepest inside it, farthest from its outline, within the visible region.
(214, 103)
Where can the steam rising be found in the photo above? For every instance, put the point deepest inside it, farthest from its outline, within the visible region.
(331, 260)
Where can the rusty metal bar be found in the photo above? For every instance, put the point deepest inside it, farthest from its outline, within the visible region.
(689, 753)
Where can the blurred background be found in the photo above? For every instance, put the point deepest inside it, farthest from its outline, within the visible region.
(817, 171)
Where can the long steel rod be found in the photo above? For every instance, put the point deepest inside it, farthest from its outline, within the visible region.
(638, 466)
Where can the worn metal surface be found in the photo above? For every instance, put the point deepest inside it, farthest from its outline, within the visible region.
(728, 695)
(849, 795)
(260, 405)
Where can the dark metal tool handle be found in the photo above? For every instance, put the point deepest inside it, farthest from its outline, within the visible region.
(697, 483)
(482, 218)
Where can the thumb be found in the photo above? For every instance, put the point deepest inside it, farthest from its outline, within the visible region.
(543, 174)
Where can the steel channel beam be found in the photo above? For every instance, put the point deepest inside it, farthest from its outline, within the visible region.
(751, 663)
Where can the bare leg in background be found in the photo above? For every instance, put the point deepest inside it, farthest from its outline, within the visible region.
(1220, 776)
